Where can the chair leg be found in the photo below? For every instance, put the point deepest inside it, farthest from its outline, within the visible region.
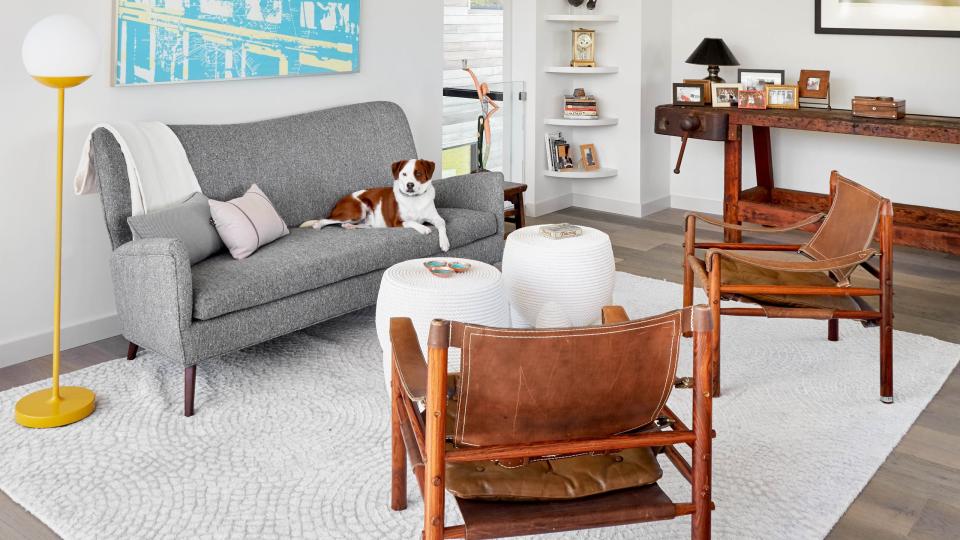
(688, 249)
(189, 386)
(132, 349)
(886, 362)
(833, 330)
(886, 303)
(715, 316)
(398, 477)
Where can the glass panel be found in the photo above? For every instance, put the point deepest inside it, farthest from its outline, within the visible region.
(465, 139)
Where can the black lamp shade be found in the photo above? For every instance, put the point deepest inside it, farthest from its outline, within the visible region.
(713, 52)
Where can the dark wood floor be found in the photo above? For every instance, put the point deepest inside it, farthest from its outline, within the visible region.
(915, 494)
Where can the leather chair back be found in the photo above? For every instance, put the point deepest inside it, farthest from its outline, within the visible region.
(849, 226)
(523, 386)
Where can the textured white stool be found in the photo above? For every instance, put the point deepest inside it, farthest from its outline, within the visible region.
(410, 290)
(557, 283)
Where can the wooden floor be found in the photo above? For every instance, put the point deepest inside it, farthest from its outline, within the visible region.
(915, 494)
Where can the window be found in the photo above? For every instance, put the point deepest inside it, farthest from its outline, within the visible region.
(486, 4)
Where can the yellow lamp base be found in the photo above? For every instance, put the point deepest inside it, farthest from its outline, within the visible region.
(39, 410)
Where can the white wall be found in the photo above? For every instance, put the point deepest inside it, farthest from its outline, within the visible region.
(919, 69)
(401, 61)
(639, 46)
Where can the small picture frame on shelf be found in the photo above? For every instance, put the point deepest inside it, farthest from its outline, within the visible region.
(689, 94)
(707, 88)
(564, 159)
(726, 94)
(783, 96)
(752, 99)
(588, 157)
(756, 79)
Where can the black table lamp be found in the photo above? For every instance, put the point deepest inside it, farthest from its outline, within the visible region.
(713, 53)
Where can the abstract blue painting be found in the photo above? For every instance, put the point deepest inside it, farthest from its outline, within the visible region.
(164, 41)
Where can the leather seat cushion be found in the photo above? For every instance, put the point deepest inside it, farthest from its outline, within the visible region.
(308, 259)
(734, 272)
(555, 479)
(565, 478)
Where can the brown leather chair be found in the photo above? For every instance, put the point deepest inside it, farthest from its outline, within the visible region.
(550, 430)
(814, 285)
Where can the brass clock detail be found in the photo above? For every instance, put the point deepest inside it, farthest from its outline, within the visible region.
(584, 48)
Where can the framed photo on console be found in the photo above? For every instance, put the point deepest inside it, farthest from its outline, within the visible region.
(707, 88)
(726, 94)
(782, 96)
(752, 99)
(689, 94)
(756, 79)
(814, 84)
(933, 18)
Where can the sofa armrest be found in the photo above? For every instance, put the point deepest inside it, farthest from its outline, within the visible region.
(479, 191)
(153, 288)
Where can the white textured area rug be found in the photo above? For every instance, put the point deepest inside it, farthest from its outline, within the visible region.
(290, 439)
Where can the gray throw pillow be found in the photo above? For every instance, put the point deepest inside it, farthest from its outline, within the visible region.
(188, 221)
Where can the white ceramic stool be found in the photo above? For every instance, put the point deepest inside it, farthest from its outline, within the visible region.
(558, 283)
(410, 290)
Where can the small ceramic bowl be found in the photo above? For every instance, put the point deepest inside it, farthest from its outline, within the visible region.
(442, 272)
(459, 267)
(431, 265)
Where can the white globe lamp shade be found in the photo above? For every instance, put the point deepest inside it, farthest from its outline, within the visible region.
(61, 51)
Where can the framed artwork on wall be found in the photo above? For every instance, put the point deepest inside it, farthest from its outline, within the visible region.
(173, 41)
(934, 18)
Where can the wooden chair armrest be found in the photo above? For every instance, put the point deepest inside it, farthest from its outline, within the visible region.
(748, 228)
(614, 315)
(408, 358)
(823, 265)
(745, 246)
(699, 270)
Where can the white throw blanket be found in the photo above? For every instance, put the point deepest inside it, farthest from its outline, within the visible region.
(160, 174)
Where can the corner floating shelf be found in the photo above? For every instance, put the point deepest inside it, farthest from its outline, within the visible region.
(600, 122)
(585, 17)
(601, 70)
(578, 173)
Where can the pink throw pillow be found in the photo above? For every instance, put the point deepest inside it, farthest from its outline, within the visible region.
(247, 223)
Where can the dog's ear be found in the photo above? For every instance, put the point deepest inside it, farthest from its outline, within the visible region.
(428, 168)
(397, 167)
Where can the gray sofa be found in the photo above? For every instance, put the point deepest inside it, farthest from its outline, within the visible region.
(304, 163)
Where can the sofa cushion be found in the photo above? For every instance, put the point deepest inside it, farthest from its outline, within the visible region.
(308, 259)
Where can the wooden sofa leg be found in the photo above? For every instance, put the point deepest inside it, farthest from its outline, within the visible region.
(132, 349)
(833, 330)
(189, 385)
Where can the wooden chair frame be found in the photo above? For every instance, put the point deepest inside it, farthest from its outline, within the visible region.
(709, 277)
(421, 436)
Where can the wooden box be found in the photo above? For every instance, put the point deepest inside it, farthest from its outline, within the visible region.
(879, 107)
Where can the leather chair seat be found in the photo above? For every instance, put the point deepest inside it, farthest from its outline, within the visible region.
(735, 272)
(547, 479)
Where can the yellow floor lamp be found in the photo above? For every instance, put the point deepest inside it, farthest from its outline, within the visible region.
(61, 52)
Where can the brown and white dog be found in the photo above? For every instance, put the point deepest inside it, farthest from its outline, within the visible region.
(408, 204)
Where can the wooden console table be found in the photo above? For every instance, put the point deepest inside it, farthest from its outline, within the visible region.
(928, 228)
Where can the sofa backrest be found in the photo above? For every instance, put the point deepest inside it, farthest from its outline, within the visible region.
(304, 163)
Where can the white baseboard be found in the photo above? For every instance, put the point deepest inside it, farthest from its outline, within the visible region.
(656, 205)
(539, 208)
(604, 204)
(23, 349)
(696, 204)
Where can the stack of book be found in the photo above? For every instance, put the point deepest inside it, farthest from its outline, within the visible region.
(580, 108)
